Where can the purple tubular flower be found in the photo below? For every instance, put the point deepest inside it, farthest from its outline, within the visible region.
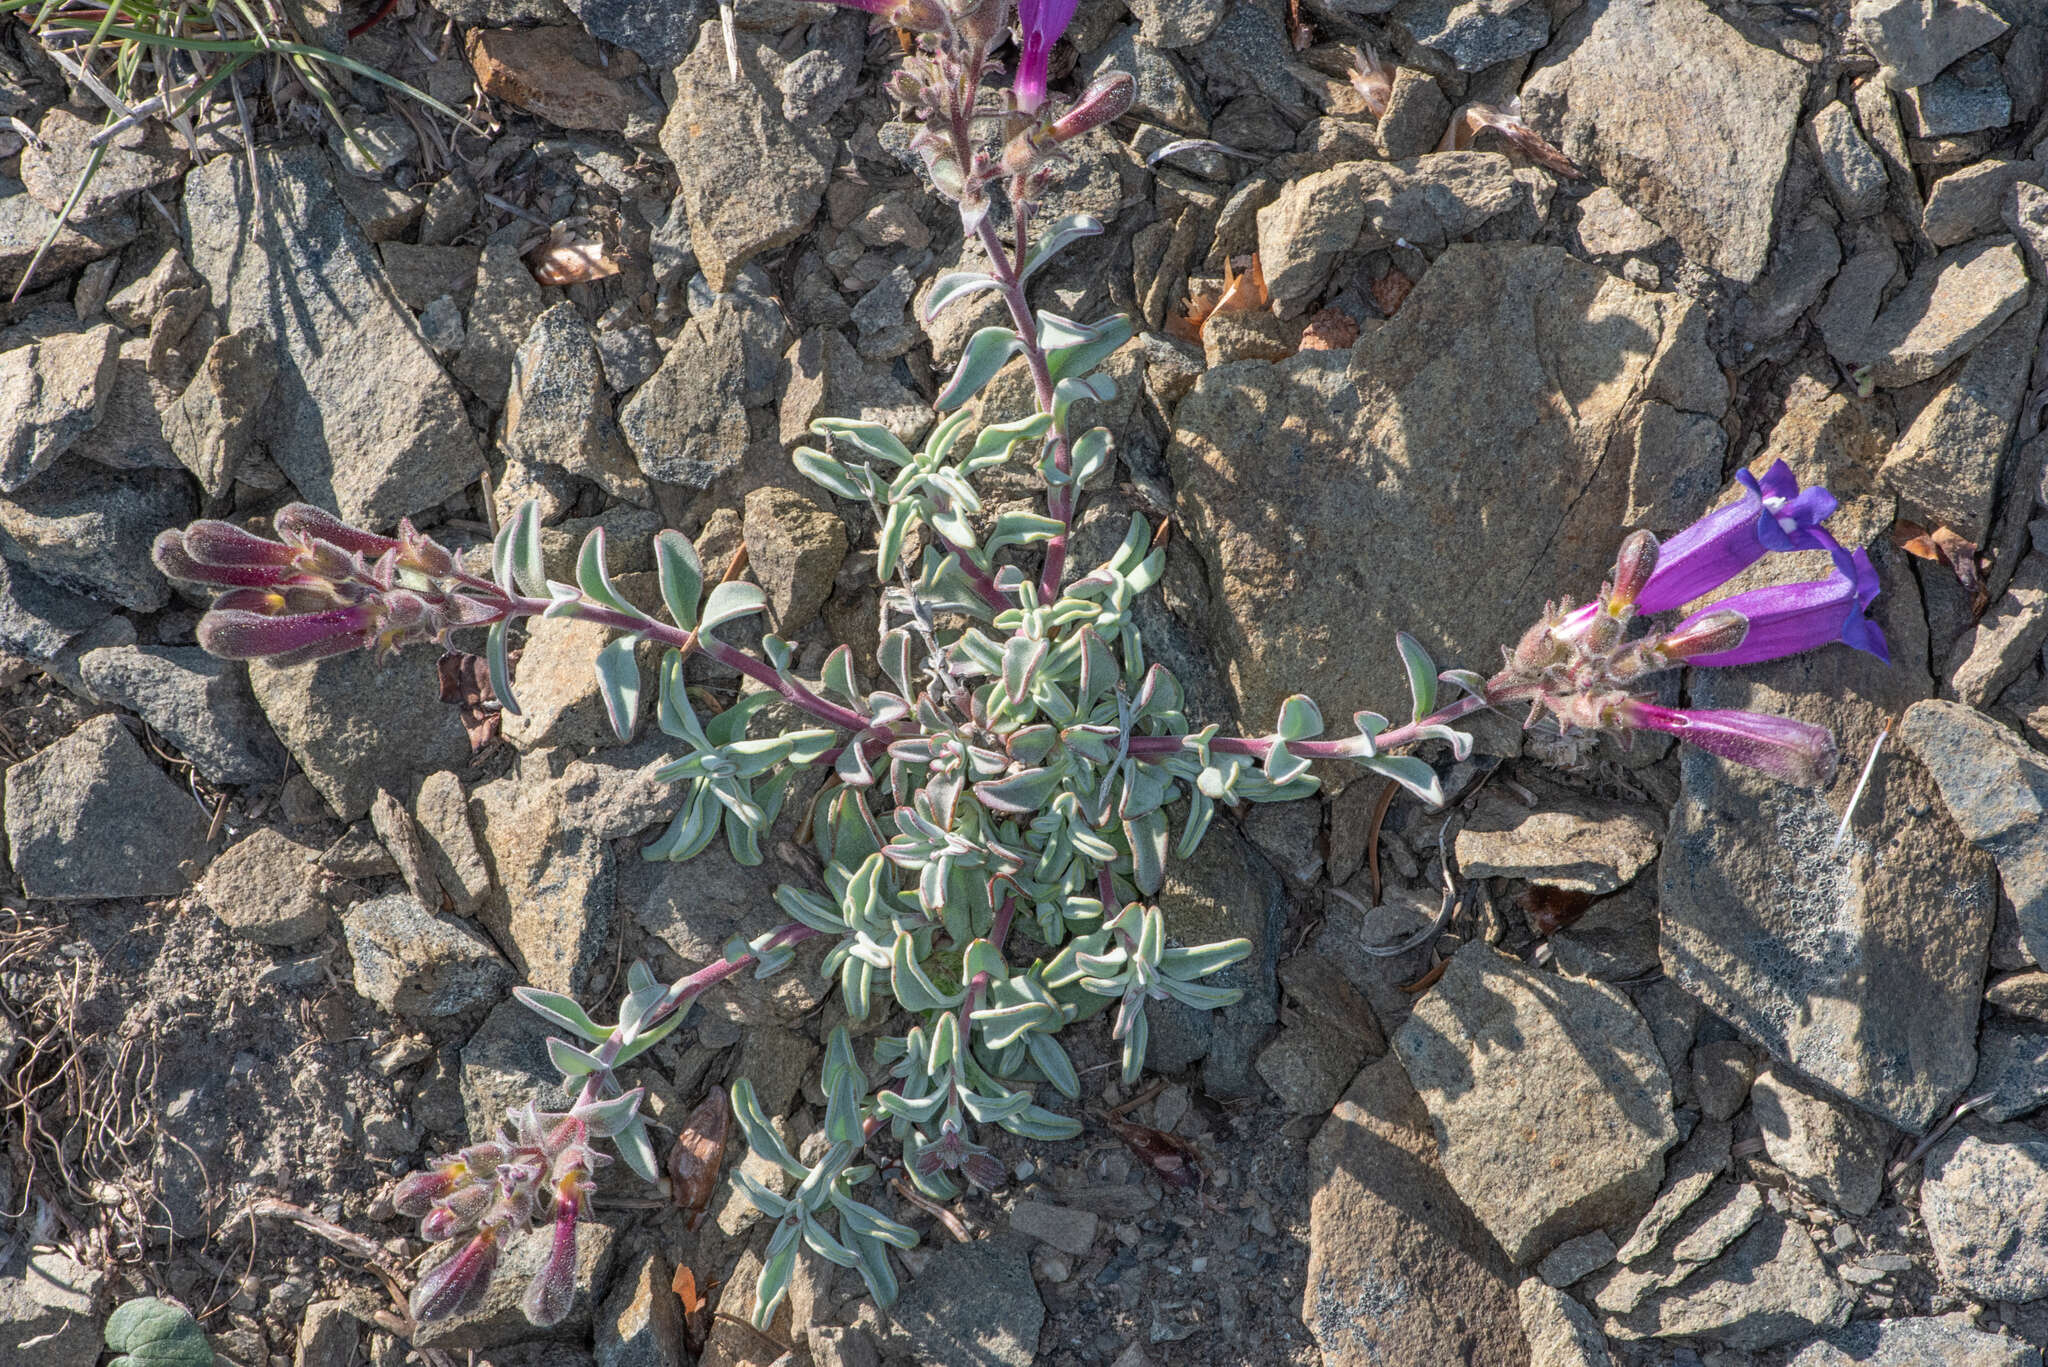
(457, 1285)
(306, 636)
(1773, 514)
(552, 1292)
(1794, 618)
(1041, 22)
(1791, 751)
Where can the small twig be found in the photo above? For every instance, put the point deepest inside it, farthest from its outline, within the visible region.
(1933, 1136)
(728, 25)
(952, 1223)
(1869, 766)
(1372, 836)
(1118, 1112)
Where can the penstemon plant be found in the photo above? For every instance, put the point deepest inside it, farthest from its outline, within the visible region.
(1000, 810)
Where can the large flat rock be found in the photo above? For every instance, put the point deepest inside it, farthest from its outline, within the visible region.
(1551, 1106)
(362, 418)
(1337, 498)
(1398, 1268)
(1685, 117)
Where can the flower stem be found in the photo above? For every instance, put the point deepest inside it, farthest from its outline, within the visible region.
(1258, 747)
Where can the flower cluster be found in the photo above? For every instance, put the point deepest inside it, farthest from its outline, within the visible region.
(491, 1191)
(1581, 664)
(323, 588)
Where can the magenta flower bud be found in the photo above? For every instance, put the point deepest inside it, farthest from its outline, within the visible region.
(1791, 751)
(1791, 619)
(552, 1291)
(1106, 101)
(1704, 633)
(416, 1193)
(223, 543)
(456, 1285)
(173, 556)
(310, 636)
(303, 519)
(1040, 24)
(1773, 514)
(1633, 566)
(460, 1210)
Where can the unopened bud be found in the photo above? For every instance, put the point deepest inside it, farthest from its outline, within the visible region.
(303, 519)
(457, 1285)
(1633, 566)
(1107, 100)
(1708, 634)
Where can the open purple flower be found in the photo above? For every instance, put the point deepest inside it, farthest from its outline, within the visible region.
(1040, 24)
(1773, 514)
(1793, 618)
(1794, 752)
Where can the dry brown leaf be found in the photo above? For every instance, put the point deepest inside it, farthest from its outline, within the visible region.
(1473, 119)
(567, 260)
(1175, 1161)
(696, 1309)
(1373, 79)
(698, 1153)
(1949, 548)
(466, 682)
(1552, 909)
(1240, 293)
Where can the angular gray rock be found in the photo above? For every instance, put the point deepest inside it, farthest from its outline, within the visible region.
(1947, 1340)
(1579, 844)
(993, 1276)
(212, 425)
(1945, 464)
(641, 1322)
(688, 424)
(502, 313)
(504, 1065)
(1398, 1268)
(141, 157)
(1769, 1287)
(556, 884)
(1996, 788)
(1967, 98)
(441, 810)
(1861, 965)
(86, 528)
(1966, 202)
(1951, 304)
(1359, 205)
(1562, 1333)
(416, 964)
(355, 725)
(1687, 1175)
(558, 410)
(1624, 75)
(795, 549)
(38, 619)
(1915, 39)
(721, 134)
(200, 704)
(1551, 1105)
(1475, 34)
(362, 417)
(54, 389)
(2006, 639)
(90, 817)
(2012, 1066)
(1853, 171)
(1985, 1202)
(1833, 1152)
(25, 226)
(1370, 450)
(265, 887)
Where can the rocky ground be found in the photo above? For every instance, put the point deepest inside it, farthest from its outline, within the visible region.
(1676, 1087)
